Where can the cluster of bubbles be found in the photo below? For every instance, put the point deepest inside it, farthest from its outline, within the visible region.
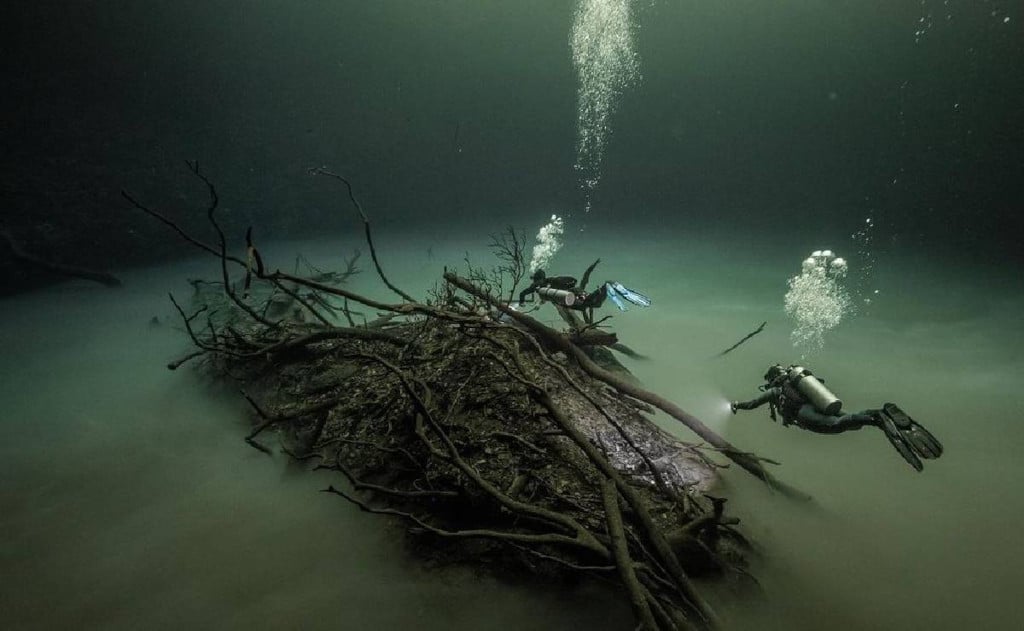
(604, 56)
(817, 300)
(549, 241)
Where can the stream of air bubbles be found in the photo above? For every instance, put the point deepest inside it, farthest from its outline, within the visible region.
(606, 63)
(604, 56)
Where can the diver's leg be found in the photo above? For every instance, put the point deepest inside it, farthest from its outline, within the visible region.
(815, 421)
(594, 299)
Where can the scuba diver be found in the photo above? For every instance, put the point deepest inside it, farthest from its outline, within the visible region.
(562, 291)
(803, 400)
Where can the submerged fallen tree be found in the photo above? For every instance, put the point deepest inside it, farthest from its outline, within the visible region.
(492, 435)
(55, 268)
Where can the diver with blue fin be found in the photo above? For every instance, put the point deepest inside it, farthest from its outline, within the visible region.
(803, 400)
(564, 291)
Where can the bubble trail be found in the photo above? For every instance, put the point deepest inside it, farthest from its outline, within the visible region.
(604, 56)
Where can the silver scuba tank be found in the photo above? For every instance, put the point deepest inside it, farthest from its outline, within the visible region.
(557, 296)
(811, 387)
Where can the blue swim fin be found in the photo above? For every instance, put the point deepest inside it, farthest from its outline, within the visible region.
(616, 298)
(636, 298)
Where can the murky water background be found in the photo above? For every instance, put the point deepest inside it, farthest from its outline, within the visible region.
(129, 500)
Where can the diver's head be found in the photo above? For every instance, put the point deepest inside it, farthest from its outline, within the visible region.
(538, 276)
(774, 372)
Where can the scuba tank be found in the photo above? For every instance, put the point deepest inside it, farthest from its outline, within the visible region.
(811, 387)
(557, 296)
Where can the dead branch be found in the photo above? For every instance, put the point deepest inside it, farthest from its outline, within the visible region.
(366, 228)
(623, 560)
(745, 338)
(60, 269)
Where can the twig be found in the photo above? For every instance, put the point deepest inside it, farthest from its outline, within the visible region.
(364, 443)
(745, 338)
(366, 227)
(627, 351)
(174, 365)
(187, 320)
(222, 253)
(549, 538)
(359, 485)
(521, 441)
(273, 419)
(563, 562)
(295, 296)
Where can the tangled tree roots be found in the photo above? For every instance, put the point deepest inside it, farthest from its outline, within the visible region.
(480, 427)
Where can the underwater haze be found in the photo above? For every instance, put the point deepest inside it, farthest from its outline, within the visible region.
(130, 499)
(702, 150)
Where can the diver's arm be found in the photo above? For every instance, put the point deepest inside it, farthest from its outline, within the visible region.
(526, 292)
(770, 395)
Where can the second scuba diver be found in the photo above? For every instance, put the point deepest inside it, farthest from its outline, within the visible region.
(563, 291)
(803, 400)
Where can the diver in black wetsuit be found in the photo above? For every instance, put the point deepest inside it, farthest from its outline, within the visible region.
(803, 400)
(562, 290)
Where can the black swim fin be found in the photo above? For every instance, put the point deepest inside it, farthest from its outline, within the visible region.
(926, 445)
(909, 437)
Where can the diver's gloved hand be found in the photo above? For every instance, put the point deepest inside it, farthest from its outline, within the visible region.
(732, 406)
(909, 437)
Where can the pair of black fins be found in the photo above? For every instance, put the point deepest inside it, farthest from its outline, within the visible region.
(909, 438)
